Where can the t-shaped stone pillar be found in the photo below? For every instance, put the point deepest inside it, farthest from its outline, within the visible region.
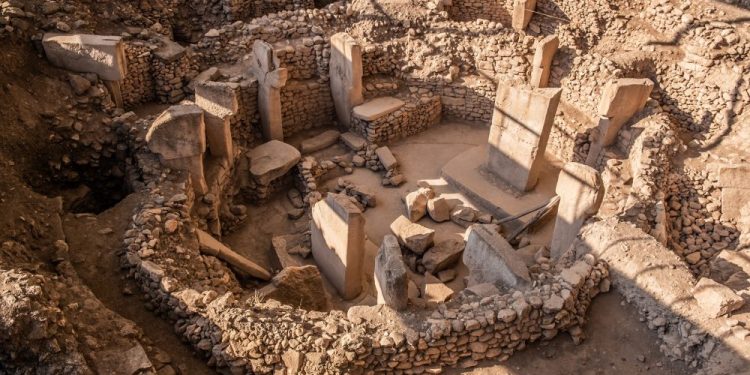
(219, 101)
(178, 135)
(522, 12)
(581, 191)
(521, 125)
(345, 75)
(271, 78)
(622, 98)
(338, 243)
(541, 67)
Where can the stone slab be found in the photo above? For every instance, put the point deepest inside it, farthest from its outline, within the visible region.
(217, 98)
(320, 141)
(490, 259)
(415, 237)
(86, 53)
(386, 158)
(391, 279)
(354, 141)
(338, 243)
(272, 160)
(377, 108)
(178, 132)
(345, 76)
(716, 299)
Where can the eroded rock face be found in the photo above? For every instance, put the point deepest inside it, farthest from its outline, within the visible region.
(391, 279)
(491, 259)
(443, 255)
(716, 299)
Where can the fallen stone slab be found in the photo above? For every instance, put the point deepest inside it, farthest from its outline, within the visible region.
(320, 141)
(443, 255)
(279, 245)
(86, 53)
(272, 160)
(490, 259)
(300, 287)
(434, 291)
(128, 362)
(415, 237)
(211, 246)
(439, 209)
(353, 141)
(716, 299)
(386, 158)
(377, 108)
(391, 279)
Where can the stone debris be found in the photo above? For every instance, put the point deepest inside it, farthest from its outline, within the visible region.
(434, 291)
(443, 255)
(298, 286)
(716, 299)
(413, 236)
(211, 246)
(439, 209)
(416, 203)
(353, 141)
(386, 158)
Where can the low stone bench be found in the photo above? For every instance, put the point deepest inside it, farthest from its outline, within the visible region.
(268, 165)
(387, 118)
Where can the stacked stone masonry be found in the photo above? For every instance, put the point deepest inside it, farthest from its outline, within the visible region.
(419, 113)
(305, 105)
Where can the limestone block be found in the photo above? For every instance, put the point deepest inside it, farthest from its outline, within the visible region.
(581, 192)
(345, 75)
(621, 99)
(353, 141)
(522, 12)
(299, 287)
(443, 255)
(338, 242)
(386, 158)
(521, 124)
(211, 246)
(434, 290)
(219, 136)
(439, 209)
(320, 141)
(178, 132)
(716, 299)
(271, 78)
(415, 237)
(85, 53)
(377, 108)
(217, 98)
(391, 280)
(735, 189)
(416, 203)
(272, 160)
(490, 259)
(541, 66)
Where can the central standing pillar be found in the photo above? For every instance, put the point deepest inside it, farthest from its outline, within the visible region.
(271, 78)
(346, 76)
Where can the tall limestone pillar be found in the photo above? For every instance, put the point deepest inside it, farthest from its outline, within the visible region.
(345, 76)
(271, 78)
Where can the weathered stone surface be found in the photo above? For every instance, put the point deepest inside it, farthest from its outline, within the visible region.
(338, 242)
(346, 75)
(716, 299)
(211, 246)
(521, 125)
(541, 66)
(386, 158)
(490, 259)
(178, 132)
(416, 203)
(415, 237)
(735, 189)
(434, 290)
(483, 290)
(320, 141)
(300, 287)
(581, 192)
(523, 10)
(443, 255)
(271, 78)
(377, 108)
(128, 362)
(439, 209)
(272, 160)
(621, 99)
(84, 53)
(353, 141)
(391, 279)
(217, 98)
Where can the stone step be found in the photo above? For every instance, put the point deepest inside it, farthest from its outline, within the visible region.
(377, 108)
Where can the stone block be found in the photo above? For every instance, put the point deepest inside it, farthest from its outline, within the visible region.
(178, 132)
(416, 203)
(490, 259)
(353, 141)
(85, 53)
(621, 99)
(735, 189)
(217, 98)
(523, 10)
(541, 66)
(521, 125)
(581, 192)
(443, 255)
(716, 299)
(299, 287)
(439, 209)
(434, 291)
(211, 246)
(391, 279)
(345, 75)
(272, 160)
(377, 108)
(338, 242)
(386, 158)
(320, 141)
(415, 237)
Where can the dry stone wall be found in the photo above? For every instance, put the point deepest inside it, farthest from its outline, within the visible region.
(138, 85)
(494, 10)
(306, 105)
(305, 59)
(419, 112)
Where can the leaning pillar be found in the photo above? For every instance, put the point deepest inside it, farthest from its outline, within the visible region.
(621, 99)
(219, 101)
(345, 76)
(271, 78)
(522, 12)
(521, 124)
(581, 192)
(541, 66)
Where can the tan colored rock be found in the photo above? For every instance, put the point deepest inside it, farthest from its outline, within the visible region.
(716, 299)
(443, 255)
(415, 237)
(439, 209)
(434, 290)
(212, 246)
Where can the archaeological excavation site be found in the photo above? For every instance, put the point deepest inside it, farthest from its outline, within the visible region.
(375, 187)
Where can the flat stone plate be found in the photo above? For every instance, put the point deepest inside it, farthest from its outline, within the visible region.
(272, 160)
(377, 108)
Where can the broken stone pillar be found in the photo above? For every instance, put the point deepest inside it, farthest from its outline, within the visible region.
(345, 75)
(219, 101)
(621, 99)
(338, 243)
(541, 66)
(581, 191)
(735, 190)
(490, 258)
(178, 136)
(521, 125)
(271, 78)
(522, 12)
(391, 280)
(211, 246)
